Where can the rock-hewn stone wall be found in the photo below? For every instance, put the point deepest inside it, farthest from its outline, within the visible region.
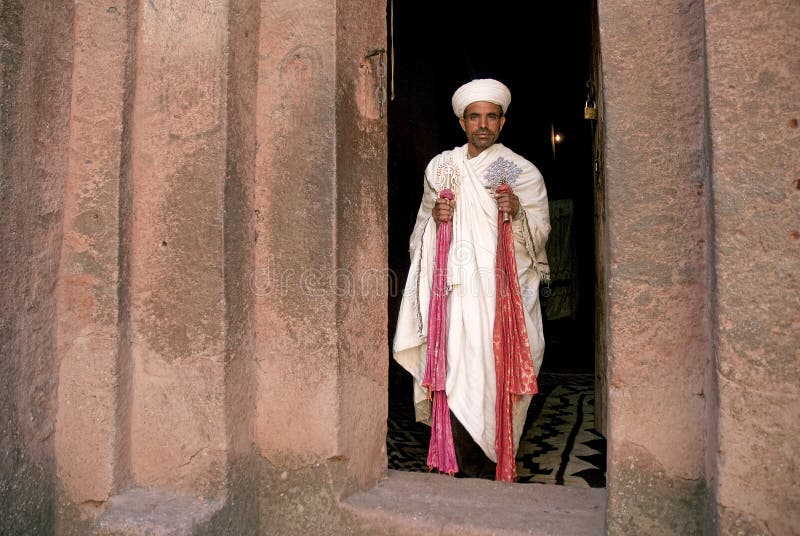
(658, 332)
(193, 236)
(754, 103)
(35, 69)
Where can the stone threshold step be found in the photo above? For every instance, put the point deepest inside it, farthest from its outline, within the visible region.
(154, 512)
(408, 503)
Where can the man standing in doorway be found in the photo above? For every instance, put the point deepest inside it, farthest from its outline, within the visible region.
(473, 172)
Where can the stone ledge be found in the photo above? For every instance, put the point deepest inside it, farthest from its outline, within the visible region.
(432, 504)
(154, 512)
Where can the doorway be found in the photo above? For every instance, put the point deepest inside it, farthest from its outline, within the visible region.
(543, 52)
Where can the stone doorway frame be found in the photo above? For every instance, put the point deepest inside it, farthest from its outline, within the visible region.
(416, 111)
(646, 200)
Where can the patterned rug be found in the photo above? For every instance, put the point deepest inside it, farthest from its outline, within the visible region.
(559, 443)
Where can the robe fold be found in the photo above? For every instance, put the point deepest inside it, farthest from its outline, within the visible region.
(471, 385)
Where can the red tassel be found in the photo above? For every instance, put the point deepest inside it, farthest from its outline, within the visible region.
(512, 354)
(441, 452)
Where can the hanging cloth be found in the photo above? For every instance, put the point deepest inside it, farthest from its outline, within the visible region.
(441, 451)
(514, 372)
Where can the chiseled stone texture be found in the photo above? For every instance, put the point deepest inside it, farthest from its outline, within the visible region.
(35, 68)
(411, 504)
(178, 436)
(295, 198)
(239, 229)
(240, 515)
(754, 102)
(305, 500)
(673, 505)
(320, 205)
(361, 239)
(90, 441)
(154, 512)
(655, 187)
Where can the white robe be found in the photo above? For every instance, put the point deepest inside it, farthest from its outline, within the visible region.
(471, 386)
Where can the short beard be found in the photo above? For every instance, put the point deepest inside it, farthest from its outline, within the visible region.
(483, 143)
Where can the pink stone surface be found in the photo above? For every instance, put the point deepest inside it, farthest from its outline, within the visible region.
(320, 257)
(154, 512)
(295, 284)
(754, 102)
(418, 503)
(177, 287)
(240, 238)
(657, 332)
(35, 69)
(361, 239)
(87, 439)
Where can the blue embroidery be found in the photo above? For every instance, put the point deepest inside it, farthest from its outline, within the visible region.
(501, 171)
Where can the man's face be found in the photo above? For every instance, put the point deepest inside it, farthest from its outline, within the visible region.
(482, 122)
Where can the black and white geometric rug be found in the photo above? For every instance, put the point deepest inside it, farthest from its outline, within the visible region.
(559, 444)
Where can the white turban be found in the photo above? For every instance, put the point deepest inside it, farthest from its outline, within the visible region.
(484, 89)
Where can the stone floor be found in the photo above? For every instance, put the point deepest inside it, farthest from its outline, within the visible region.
(559, 445)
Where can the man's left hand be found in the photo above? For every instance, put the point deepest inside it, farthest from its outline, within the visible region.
(507, 202)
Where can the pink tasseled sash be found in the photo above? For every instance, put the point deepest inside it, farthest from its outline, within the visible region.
(512, 353)
(441, 452)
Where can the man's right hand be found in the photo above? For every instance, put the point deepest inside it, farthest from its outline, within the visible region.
(443, 210)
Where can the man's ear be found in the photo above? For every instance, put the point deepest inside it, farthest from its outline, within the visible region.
(502, 122)
(463, 125)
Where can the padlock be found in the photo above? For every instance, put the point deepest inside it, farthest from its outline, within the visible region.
(590, 110)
